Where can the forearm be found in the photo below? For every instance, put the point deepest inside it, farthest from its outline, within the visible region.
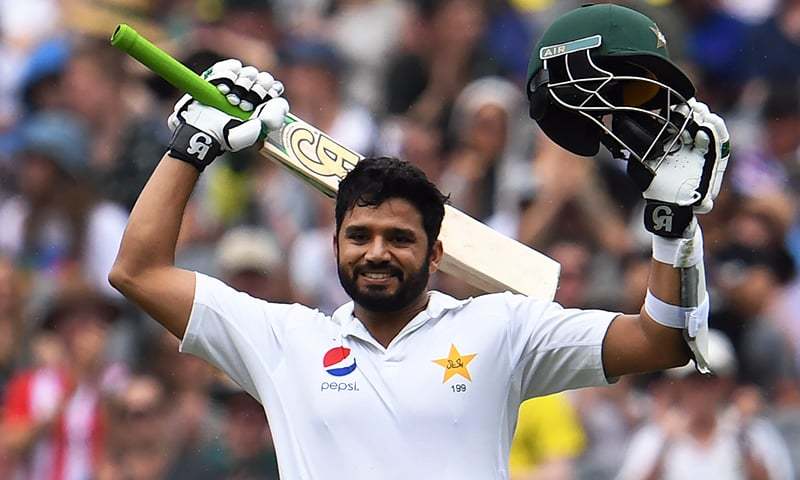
(665, 284)
(144, 270)
(152, 232)
(638, 343)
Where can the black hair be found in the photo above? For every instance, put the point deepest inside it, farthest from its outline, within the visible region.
(776, 258)
(377, 179)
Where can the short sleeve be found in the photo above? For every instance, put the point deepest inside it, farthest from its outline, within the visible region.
(240, 335)
(556, 349)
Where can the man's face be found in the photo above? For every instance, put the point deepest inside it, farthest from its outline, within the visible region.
(382, 255)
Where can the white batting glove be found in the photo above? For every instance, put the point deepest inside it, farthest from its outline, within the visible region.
(688, 180)
(201, 133)
(719, 153)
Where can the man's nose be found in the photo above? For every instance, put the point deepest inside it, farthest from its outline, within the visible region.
(377, 251)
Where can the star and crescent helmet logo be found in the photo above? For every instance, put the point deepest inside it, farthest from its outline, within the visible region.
(661, 40)
(455, 364)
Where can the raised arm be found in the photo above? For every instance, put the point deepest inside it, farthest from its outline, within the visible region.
(144, 270)
(673, 323)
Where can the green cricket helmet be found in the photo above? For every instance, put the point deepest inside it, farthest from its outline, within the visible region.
(602, 74)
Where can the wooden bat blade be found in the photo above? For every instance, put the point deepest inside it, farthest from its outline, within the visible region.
(482, 257)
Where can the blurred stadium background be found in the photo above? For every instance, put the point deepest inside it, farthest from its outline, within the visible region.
(89, 386)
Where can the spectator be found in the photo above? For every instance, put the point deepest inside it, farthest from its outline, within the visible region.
(92, 80)
(141, 447)
(608, 416)
(250, 260)
(314, 69)
(366, 32)
(749, 280)
(696, 431)
(487, 170)
(773, 48)
(52, 422)
(547, 441)
(715, 40)
(248, 452)
(420, 144)
(422, 81)
(771, 164)
(55, 224)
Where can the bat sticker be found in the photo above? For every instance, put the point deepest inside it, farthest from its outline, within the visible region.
(317, 152)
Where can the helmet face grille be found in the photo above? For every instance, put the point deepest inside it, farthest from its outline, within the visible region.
(596, 61)
(642, 124)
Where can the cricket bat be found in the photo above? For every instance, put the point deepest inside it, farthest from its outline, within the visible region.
(473, 252)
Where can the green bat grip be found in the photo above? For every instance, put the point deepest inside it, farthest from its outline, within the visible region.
(177, 74)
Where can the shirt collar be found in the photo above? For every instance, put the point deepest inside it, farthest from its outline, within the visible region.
(438, 304)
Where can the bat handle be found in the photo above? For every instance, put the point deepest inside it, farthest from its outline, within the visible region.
(177, 74)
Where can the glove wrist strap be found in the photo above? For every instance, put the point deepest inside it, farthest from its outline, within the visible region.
(667, 219)
(194, 146)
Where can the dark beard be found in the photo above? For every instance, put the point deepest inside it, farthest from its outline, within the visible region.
(378, 300)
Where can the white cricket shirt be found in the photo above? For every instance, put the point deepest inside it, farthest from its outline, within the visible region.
(439, 403)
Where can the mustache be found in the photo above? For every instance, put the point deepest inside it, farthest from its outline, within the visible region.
(378, 267)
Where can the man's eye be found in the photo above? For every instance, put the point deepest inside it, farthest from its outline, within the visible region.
(357, 237)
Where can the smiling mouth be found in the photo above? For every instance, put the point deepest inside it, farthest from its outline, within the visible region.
(377, 275)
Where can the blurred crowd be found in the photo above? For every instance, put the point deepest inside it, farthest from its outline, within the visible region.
(91, 388)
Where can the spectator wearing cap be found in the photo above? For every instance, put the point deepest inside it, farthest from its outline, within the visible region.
(704, 427)
(55, 224)
(749, 279)
(250, 260)
(52, 422)
(40, 87)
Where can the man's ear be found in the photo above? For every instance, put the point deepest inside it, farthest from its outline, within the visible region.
(436, 256)
(336, 245)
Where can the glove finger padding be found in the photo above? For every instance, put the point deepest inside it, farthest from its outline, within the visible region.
(223, 74)
(241, 91)
(239, 135)
(272, 113)
(176, 118)
(716, 161)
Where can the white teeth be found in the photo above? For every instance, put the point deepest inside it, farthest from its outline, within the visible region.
(376, 275)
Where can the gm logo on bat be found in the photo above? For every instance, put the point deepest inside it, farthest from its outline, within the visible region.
(319, 153)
